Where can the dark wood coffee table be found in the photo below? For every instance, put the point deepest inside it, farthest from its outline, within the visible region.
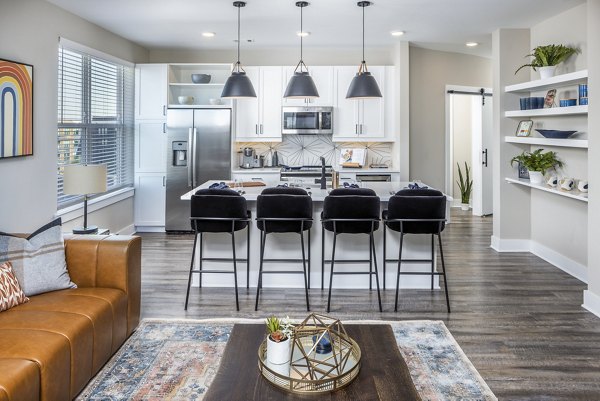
(383, 373)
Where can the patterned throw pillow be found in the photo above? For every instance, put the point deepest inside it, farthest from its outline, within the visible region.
(38, 261)
(10, 291)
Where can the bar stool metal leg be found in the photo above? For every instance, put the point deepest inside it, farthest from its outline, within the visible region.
(444, 271)
(370, 265)
(432, 261)
(237, 302)
(332, 262)
(322, 257)
(398, 277)
(308, 258)
(248, 257)
(201, 258)
(304, 267)
(187, 296)
(372, 241)
(384, 254)
(263, 240)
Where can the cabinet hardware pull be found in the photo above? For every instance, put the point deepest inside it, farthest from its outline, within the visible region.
(164, 180)
(164, 110)
(256, 129)
(356, 129)
(164, 128)
(261, 129)
(361, 129)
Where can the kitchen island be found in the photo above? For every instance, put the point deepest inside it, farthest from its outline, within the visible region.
(288, 246)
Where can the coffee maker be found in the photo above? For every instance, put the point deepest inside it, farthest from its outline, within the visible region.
(247, 158)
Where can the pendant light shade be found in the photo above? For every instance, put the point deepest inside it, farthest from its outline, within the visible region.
(301, 85)
(238, 85)
(363, 85)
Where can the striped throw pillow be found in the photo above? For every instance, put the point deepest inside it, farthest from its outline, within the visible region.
(11, 293)
(38, 261)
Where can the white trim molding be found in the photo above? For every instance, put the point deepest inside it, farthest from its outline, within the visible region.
(591, 302)
(564, 263)
(75, 211)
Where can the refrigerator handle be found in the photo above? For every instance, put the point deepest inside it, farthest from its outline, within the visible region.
(190, 160)
(194, 153)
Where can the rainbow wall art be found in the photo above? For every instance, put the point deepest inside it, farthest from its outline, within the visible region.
(16, 109)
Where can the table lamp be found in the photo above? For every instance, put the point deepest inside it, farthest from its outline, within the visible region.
(84, 179)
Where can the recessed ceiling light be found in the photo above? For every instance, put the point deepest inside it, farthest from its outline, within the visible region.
(208, 34)
(303, 34)
(397, 33)
(471, 44)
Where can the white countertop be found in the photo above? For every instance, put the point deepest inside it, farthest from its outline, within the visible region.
(383, 189)
(273, 170)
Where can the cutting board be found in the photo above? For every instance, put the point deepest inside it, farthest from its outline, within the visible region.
(248, 184)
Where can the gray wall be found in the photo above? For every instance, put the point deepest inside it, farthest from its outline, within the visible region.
(30, 30)
(430, 72)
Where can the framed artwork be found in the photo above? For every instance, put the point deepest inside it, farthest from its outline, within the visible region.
(549, 99)
(523, 172)
(16, 109)
(524, 128)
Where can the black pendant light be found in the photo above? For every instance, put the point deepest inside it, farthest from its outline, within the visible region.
(238, 85)
(301, 85)
(363, 85)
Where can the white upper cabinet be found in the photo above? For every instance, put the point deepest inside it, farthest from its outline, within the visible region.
(259, 119)
(151, 91)
(323, 77)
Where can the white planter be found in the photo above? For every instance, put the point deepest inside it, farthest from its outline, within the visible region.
(547, 72)
(279, 355)
(536, 177)
(464, 206)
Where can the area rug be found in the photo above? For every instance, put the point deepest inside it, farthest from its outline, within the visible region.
(178, 359)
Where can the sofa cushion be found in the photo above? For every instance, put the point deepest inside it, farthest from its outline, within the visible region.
(50, 351)
(38, 260)
(76, 328)
(19, 380)
(11, 293)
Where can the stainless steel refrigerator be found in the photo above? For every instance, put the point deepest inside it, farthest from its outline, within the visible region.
(198, 150)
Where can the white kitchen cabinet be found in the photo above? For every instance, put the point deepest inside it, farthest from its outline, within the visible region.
(151, 91)
(149, 200)
(363, 119)
(323, 77)
(259, 119)
(150, 146)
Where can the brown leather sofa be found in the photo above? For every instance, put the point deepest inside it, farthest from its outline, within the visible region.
(53, 345)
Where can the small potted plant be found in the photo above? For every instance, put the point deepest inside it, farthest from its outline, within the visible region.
(279, 339)
(537, 163)
(465, 184)
(546, 58)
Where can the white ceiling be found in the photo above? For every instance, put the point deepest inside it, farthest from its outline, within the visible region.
(437, 24)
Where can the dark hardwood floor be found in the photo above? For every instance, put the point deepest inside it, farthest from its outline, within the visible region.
(518, 318)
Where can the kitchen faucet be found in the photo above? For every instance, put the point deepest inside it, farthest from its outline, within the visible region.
(323, 179)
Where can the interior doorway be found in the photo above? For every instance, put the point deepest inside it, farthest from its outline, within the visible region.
(469, 140)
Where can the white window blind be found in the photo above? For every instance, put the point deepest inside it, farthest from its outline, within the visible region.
(95, 117)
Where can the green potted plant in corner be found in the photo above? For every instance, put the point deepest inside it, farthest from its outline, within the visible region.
(546, 58)
(537, 163)
(279, 338)
(465, 184)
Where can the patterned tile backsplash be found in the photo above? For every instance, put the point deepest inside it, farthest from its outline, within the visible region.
(297, 150)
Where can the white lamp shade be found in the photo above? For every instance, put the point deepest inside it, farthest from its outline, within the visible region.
(82, 179)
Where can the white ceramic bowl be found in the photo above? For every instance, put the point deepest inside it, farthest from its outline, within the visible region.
(185, 99)
(214, 102)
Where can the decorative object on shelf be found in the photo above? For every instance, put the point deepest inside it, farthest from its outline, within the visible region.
(523, 172)
(531, 103)
(583, 101)
(546, 58)
(301, 85)
(552, 181)
(16, 109)
(555, 134)
(567, 184)
(567, 102)
(185, 99)
(524, 128)
(353, 157)
(312, 372)
(537, 163)
(465, 185)
(238, 85)
(363, 85)
(201, 78)
(549, 100)
(84, 179)
(583, 94)
(279, 337)
(582, 186)
(214, 101)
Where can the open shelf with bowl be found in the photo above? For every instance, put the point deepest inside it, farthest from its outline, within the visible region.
(565, 143)
(197, 85)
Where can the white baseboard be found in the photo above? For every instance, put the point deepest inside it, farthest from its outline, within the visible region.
(564, 263)
(149, 229)
(591, 302)
(129, 230)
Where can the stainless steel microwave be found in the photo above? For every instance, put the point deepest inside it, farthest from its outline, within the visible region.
(307, 120)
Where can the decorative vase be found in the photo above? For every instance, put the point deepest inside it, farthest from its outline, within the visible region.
(464, 206)
(536, 177)
(547, 72)
(279, 355)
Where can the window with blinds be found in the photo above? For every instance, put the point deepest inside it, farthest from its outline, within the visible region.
(95, 117)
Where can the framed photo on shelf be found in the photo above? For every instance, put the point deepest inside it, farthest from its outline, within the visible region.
(549, 99)
(524, 128)
(523, 172)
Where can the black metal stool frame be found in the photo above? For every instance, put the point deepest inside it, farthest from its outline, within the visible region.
(372, 257)
(304, 260)
(399, 261)
(201, 271)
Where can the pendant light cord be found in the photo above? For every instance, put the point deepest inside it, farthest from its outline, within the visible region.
(301, 33)
(363, 36)
(238, 44)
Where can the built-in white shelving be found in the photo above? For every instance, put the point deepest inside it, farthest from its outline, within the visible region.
(552, 112)
(573, 78)
(564, 143)
(543, 187)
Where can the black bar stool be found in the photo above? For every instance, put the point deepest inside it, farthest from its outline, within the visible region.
(284, 210)
(416, 211)
(351, 211)
(219, 211)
